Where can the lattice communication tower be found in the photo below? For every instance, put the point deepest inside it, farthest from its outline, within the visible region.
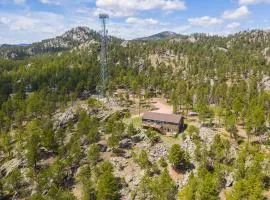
(103, 53)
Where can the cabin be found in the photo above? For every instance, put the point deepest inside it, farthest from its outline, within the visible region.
(163, 122)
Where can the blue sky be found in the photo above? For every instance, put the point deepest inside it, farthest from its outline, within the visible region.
(25, 21)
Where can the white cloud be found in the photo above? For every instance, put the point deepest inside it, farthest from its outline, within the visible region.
(236, 14)
(119, 8)
(50, 2)
(151, 21)
(233, 25)
(23, 23)
(34, 22)
(204, 21)
(4, 20)
(133, 20)
(142, 4)
(251, 2)
(113, 12)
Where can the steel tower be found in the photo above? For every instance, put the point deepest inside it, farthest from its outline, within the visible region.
(103, 53)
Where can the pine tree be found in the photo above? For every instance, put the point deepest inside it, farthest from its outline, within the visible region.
(107, 188)
(178, 158)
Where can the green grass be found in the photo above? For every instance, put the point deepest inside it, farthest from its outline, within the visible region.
(215, 109)
(171, 140)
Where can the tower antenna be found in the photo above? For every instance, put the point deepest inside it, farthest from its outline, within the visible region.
(103, 53)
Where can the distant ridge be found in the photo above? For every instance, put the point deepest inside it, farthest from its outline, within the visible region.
(83, 36)
(14, 45)
(67, 41)
(165, 35)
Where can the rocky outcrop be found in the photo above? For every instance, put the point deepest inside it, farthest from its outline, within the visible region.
(207, 135)
(158, 151)
(130, 172)
(229, 179)
(138, 137)
(265, 83)
(183, 182)
(124, 44)
(189, 146)
(11, 165)
(61, 119)
(103, 147)
(125, 144)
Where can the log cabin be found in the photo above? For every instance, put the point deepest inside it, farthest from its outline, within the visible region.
(163, 122)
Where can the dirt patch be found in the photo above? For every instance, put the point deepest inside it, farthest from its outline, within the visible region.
(158, 105)
(175, 175)
(242, 133)
(161, 106)
(267, 194)
(106, 155)
(48, 162)
(78, 191)
(135, 111)
(222, 194)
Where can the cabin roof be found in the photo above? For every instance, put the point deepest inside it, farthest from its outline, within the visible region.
(168, 118)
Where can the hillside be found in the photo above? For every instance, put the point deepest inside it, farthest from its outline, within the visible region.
(85, 36)
(67, 41)
(59, 139)
(166, 35)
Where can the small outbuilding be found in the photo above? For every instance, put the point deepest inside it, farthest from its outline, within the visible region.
(163, 122)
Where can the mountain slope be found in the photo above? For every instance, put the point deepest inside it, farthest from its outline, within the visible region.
(68, 40)
(256, 40)
(166, 35)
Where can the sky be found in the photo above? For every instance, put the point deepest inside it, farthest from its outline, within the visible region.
(27, 21)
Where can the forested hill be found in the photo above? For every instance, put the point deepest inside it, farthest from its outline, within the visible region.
(67, 41)
(257, 40)
(59, 140)
(166, 35)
